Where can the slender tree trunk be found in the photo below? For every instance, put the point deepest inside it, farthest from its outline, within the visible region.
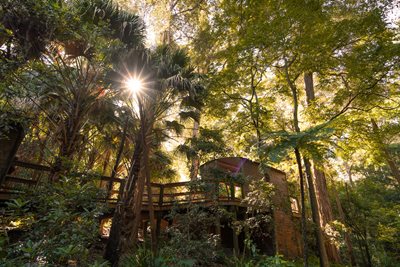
(391, 163)
(103, 184)
(149, 193)
(118, 159)
(194, 169)
(348, 171)
(105, 163)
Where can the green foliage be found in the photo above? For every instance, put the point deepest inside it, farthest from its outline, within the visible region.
(372, 208)
(30, 26)
(127, 27)
(261, 261)
(143, 257)
(207, 146)
(189, 240)
(61, 221)
(314, 143)
(11, 121)
(259, 198)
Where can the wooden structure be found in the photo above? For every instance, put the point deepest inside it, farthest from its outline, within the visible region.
(9, 144)
(283, 237)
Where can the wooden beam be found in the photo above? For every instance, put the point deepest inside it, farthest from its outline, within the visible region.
(14, 179)
(30, 165)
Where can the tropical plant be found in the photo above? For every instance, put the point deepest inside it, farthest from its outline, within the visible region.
(61, 221)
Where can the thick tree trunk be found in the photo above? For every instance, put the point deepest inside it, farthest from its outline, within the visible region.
(124, 207)
(321, 189)
(127, 216)
(309, 86)
(324, 262)
(325, 210)
(303, 205)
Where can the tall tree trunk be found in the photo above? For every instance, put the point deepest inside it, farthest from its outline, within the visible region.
(303, 207)
(321, 189)
(127, 216)
(324, 262)
(124, 206)
(383, 147)
(146, 139)
(194, 169)
(118, 159)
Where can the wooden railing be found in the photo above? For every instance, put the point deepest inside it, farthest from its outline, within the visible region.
(162, 195)
(201, 191)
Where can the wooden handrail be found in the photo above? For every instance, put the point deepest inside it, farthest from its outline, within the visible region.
(33, 166)
(14, 179)
(163, 193)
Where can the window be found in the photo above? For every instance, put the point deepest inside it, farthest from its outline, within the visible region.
(294, 205)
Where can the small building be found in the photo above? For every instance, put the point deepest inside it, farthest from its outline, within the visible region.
(283, 236)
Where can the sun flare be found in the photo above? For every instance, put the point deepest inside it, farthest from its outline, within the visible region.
(134, 85)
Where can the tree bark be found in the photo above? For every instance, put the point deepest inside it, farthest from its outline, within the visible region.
(324, 261)
(321, 189)
(124, 207)
(303, 209)
(127, 216)
(118, 159)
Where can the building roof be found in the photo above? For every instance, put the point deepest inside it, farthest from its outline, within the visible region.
(235, 163)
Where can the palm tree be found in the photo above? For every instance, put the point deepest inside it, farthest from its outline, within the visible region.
(74, 80)
(168, 77)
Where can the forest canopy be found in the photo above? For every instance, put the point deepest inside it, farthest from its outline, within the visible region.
(105, 105)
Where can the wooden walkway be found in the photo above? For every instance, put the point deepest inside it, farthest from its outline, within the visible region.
(164, 196)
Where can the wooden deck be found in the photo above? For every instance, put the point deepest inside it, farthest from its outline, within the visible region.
(164, 196)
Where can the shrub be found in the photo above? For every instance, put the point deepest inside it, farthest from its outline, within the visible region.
(60, 221)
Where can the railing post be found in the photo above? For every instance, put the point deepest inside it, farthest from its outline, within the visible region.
(232, 187)
(161, 196)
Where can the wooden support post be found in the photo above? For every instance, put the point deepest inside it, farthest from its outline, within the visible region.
(232, 189)
(161, 196)
(218, 229)
(234, 235)
(159, 213)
